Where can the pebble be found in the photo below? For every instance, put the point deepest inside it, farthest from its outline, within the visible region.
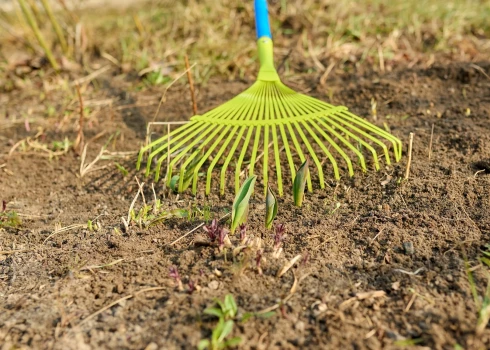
(152, 346)
(450, 278)
(299, 326)
(213, 285)
(408, 248)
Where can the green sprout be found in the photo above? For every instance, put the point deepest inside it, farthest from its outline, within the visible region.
(299, 184)
(239, 212)
(270, 208)
(226, 311)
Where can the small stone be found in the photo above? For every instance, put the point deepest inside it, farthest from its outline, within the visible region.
(408, 248)
(449, 278)
(299, 326)
(318, 308)
(213, 285)
(152, 346)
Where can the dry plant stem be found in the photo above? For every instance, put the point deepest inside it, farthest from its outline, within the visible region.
(431, 138)
(74, 18)
(64, 229)
(91, 76)
(80, 137)
(8, 252)
(117, 302)
(194, 229)
(35, 28)
(407, 172)
(191, 85)
(163, 99)
(56, 26)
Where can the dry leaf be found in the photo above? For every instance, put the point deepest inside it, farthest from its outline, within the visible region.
(288, 265)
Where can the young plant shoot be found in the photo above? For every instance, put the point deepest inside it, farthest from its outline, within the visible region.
(239, 211)
(300, 183)
(270, 208)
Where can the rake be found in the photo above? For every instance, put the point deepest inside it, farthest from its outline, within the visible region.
(268, 114)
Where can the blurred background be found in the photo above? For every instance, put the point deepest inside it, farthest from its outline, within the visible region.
(148, 39)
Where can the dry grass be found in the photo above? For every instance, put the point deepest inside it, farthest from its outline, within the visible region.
(309, 35)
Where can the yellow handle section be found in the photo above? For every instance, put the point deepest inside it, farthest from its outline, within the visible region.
(267, 70)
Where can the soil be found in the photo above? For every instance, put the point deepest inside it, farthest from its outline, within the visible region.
(55, 295)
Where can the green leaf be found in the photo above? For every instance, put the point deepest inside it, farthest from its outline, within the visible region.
(231, 305)
(270, 208)
(122, 169)
(217, 331)
(214, 311)
(174, 183)
(203, 344)
(299, 184)
(486, 261)
(266, 315)
(240, 207)
(235, 341)
(246, 316)
(227, 329)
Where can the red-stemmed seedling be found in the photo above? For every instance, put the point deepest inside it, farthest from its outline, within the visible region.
(174, 273)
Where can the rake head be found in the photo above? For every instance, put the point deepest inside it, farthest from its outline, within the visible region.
(271, 125)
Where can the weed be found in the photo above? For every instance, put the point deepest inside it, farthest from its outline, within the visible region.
(227, 309)
(174, 273)
(121, 169)
(481, 303)
(226, 312)
(218, 341)
(243, 233)
(8, 218)
(278, 236)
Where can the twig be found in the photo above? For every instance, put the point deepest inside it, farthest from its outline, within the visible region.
(325, 75)
(430, 142)
(480, 69)
(163, 99)
(194, 229)
(102, 266)
(407, 172)
(8, 252)
(80, 137)
(191, 85)
(64, 229)
(91, 76)
(381, 59)
(416, 272)
(117, 302)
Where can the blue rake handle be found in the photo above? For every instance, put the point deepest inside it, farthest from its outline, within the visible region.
(262, 19)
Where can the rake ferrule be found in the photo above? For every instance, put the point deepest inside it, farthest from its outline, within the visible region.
(267, 70)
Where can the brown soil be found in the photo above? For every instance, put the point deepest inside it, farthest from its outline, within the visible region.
(46, 293)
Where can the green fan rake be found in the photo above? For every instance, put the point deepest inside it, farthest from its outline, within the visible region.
(268, 114)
